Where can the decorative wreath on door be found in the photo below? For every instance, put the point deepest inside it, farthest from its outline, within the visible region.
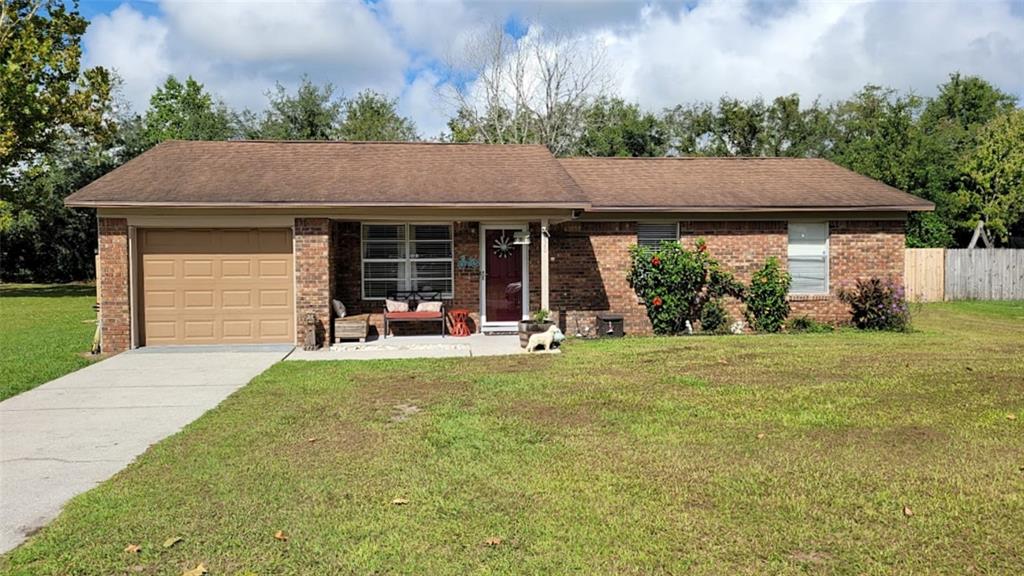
(502, 246)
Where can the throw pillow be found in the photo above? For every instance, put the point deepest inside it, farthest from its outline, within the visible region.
(339, 308)
(428, 306)
(396, 305)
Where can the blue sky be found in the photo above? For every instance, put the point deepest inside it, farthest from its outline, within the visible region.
(658, 52)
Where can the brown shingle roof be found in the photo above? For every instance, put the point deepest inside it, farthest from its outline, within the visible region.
(732, 184)
(178, 173)
(258, 173)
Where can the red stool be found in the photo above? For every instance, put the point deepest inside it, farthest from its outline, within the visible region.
(459, 316)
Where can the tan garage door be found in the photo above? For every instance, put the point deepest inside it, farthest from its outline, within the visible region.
(216, 286)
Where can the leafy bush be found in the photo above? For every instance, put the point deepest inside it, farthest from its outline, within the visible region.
(713, 317)
(541, 316)
(877, 305)
(808, 324)
(767, 305)
(675, 283)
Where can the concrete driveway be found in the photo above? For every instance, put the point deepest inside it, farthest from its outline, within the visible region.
(66, 436)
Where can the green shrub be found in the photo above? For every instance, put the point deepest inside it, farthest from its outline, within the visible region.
(808, 324)
(877, 305)
(713, 317)
(766, 304)
(675, 283)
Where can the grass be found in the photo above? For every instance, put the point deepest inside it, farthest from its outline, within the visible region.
(734, 454)
(45, 329)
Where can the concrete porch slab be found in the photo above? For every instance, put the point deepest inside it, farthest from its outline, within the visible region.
(419, 347)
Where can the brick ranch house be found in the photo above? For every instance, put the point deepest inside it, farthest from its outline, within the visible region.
(235, 242)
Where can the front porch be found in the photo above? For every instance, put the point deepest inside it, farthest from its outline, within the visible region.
(496, 270)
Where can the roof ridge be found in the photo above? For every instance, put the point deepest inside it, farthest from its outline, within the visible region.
(351, 142)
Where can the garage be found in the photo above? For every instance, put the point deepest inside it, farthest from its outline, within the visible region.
(215, 286)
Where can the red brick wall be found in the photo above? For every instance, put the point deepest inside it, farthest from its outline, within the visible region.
(115, 304)
(314, 280)
(588, 266)
(590, 261)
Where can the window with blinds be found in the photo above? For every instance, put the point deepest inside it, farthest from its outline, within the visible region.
(652, 235)
(808, 257)
(404, 257)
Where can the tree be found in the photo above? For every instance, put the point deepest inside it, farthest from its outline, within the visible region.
(736, 127)
(533, 89)
(373, 116)
(312, 113)
(186, 112)
(992, 181)
(43, 91)
(613, 127)
(43, 240)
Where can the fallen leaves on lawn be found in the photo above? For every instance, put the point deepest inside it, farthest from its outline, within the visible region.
(280, 535)
(907, 511)
(172, 541)
(197, 571)
(493, 541)
(133, 548)
(760, 436)
(723, 361)
(311, 440)
(1011, 416)
(399, 501)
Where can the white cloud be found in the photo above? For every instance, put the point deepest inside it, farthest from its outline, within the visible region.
(662, 52)
(134, 45)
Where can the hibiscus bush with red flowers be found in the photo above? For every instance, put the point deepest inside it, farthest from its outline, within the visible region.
(676, 284)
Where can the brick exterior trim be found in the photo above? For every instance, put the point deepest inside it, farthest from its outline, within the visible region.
(115, 300)
(314, 277)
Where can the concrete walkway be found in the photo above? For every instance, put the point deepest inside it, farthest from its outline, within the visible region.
(68, 435)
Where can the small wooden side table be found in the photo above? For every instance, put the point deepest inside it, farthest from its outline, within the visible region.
(459, 317)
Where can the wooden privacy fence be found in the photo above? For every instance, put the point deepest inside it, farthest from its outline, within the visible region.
(934, 274)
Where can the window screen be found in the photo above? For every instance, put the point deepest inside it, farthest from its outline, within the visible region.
(808, 257)
(652, 235)
(402, 257)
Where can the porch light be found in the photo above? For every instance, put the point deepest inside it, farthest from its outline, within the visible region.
(521, 238)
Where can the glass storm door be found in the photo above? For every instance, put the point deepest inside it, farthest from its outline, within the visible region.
(503, 283)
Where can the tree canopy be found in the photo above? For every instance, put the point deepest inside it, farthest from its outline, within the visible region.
(372, 116)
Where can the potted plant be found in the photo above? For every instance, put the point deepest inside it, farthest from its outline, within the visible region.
(539, 322)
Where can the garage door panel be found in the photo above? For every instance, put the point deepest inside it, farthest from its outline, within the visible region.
(198, 299)
(279, 298)
(235, 268)
(195, 268)
(236, 299)
(274, 269)
(210, 286)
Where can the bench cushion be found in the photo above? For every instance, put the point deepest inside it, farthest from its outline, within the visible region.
(416, 315)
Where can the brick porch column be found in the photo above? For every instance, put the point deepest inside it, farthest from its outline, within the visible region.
(113, 275)
(313, 276)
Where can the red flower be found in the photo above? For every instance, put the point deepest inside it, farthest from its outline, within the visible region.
(656, 301)
(656, 261)
(702, 248)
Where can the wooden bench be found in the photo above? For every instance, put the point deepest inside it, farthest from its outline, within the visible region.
(413, 298)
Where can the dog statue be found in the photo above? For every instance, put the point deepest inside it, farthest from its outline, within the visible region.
(550, 336)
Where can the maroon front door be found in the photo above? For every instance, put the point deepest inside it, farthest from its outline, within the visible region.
(503, 295)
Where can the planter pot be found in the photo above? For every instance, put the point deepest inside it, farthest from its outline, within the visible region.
(528, 328)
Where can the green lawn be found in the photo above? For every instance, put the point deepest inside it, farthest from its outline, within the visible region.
(44, 329)
(731, 454)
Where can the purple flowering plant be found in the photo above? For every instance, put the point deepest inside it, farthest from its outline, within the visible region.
(877, 304)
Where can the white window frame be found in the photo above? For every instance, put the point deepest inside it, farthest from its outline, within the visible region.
(657, 223)
(828, 255)
(407, 260)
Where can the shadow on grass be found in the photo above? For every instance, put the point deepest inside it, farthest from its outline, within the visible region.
(46, 290)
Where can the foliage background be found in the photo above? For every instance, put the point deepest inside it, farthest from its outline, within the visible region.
(62, 127)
